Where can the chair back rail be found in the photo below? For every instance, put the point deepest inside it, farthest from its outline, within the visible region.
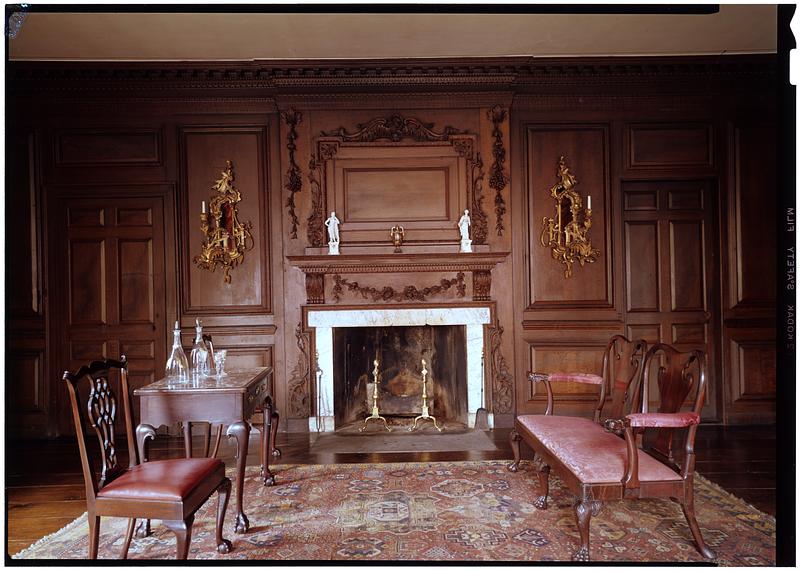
(100, 410)
(678, 375)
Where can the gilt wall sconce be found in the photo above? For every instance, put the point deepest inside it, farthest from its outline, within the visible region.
(567, 233)
(226, 239)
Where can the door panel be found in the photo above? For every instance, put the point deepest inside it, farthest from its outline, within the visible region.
(110, 250)
(670, 281)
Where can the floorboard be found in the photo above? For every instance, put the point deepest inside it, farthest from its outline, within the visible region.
(44, 484)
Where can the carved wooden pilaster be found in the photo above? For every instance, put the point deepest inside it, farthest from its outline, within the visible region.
(315, 288)
(293, 182)
(502, 379)
(316, 220)
(498, 179)
(482, 285)
(479, 222)
(299, 381)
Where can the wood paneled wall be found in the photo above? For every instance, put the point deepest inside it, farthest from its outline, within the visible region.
(107, 167)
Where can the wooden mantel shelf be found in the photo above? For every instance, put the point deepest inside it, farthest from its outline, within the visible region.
(386, 263)
(316, 266)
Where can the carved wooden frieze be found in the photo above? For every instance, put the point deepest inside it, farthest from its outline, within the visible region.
(299, 381)
(394, 128)
(502, 379)
(293, 182)
(498, 179)
(482, 285)
(315, 288)
(408, 293)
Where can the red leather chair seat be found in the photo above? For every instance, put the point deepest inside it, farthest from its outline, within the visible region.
(161, 480)
(588, 451)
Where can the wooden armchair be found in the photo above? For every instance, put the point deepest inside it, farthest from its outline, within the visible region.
(167, 490)
(608, 461)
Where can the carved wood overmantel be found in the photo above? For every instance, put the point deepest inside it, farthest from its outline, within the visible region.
(479, 264)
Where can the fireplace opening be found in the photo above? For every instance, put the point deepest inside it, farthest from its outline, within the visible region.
(399, 351)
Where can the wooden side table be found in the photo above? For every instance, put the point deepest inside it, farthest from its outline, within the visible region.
(228, 400)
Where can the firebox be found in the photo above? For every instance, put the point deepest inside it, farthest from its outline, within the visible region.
(399, 352)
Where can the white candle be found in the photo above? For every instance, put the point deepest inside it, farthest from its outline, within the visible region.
(588, 202)
(203, 207)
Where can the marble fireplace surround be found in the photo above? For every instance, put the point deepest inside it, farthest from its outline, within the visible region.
(324, 321)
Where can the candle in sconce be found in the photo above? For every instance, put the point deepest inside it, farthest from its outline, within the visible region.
(203, 207)
(589, 202)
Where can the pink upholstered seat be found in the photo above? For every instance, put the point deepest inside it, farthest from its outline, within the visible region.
(592, 454)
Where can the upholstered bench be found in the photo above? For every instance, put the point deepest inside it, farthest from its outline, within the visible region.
(602, 461)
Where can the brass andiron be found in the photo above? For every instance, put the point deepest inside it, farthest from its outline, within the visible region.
(226, 239)
(375, 414)
(397, 233)
(567, 236)
(424, 414)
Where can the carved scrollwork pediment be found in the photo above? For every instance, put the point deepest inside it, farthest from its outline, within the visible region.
(393, 128)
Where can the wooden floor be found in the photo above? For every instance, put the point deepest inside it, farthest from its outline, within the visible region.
(45, 490)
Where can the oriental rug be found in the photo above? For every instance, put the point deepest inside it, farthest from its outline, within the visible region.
(438, 511)
(428, 441)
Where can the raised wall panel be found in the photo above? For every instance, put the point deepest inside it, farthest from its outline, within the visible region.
(108, 147)
(205, 152)
(650, 332)
(24, 381)
(85, 350)
(396, 195)
(659, 146)
(754, 370)
(88, 282)
(134, 217)
(566, 357)
(136, 281)
(687, 278)
(373, 187)
(691, 199)
(691, 334)
(585, 152)
(245, 357)
(137, 349)
(641, 200)
(751, 223)
(641, 268)
(86, 216)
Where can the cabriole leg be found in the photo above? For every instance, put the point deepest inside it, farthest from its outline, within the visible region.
(224, 491)
(543, 473)
(514, 438)
(584, 510)
(688, 512)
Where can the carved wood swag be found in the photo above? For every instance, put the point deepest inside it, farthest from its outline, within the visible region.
(293, 182)
(387, 293)
(498, 179)
(394, 128)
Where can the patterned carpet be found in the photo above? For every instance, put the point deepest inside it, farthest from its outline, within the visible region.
(440, 511)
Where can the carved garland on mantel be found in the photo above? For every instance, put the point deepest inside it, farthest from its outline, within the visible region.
(393, 128)
(502, 379)
(388, 293)
(498, 179)
(293, 182)
(299, 381)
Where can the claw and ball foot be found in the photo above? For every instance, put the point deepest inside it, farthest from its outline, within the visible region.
(242, 523)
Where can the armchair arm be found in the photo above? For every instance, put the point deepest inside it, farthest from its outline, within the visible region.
(663, 419)
(559, 377)
(144, 432)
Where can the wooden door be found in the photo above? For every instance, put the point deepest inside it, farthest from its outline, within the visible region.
(108, 288)
(671, 281)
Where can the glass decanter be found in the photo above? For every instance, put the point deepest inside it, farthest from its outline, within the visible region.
(177, 365)
(199, 357)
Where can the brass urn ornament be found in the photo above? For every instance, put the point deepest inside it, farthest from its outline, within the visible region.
(567, 233)
(226, 239)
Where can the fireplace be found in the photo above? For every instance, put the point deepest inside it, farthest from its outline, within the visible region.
(455, 342)
(399, 351)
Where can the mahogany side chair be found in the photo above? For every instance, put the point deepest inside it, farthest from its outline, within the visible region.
(167, 490)
(612, 459)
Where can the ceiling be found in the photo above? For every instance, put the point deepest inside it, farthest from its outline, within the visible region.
(734, 29)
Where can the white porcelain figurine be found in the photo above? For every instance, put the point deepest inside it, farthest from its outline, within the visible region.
(463, 228)
(332, 224)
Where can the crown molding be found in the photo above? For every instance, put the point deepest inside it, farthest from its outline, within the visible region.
(320, 80)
